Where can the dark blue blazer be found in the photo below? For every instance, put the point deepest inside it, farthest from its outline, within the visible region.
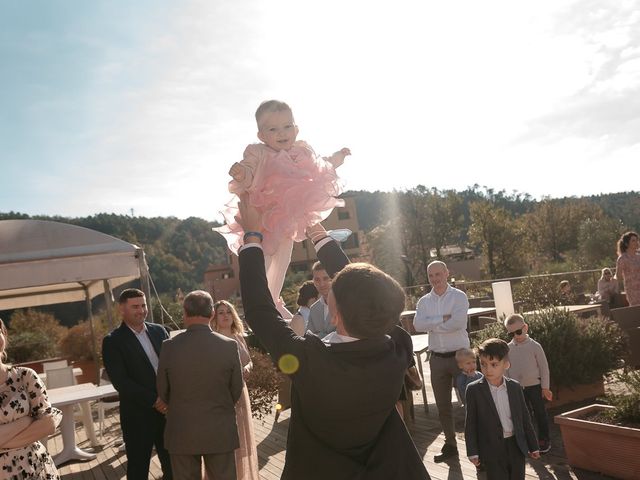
(344, 424)
(483, 430)
(129, 368)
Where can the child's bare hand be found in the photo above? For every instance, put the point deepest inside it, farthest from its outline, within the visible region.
(237, 172)
(337, 158)
(547, 394)
(535, 455)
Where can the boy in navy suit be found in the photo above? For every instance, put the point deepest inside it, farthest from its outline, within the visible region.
(498, 429)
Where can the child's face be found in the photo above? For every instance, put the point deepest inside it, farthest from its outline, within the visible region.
(467, 365)
(278, 130)
(493, 369)
(518, 331)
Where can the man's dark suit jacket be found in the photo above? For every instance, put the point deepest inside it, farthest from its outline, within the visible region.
(344, 424)
(483, 430)
(132, 374)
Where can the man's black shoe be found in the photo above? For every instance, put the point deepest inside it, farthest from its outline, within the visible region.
(447, 452)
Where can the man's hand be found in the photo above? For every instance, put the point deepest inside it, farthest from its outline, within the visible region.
(475, 461)
(237, 172)
(160, 406)
(249, 218)
(535, 455)
(445, 318)
(316, 232)
(547, 394)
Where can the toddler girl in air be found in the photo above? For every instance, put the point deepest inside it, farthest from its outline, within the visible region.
(289, 183)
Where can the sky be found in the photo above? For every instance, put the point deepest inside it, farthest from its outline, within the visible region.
(141, 107)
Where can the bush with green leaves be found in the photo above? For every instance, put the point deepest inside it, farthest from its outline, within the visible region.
(77, 344)
(33, 335)
(579, 351)
(627, 402)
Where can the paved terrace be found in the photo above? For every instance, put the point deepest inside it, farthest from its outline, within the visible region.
(110, 463)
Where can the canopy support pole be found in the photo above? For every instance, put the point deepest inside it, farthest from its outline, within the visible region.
(108, 300)
(96, 360)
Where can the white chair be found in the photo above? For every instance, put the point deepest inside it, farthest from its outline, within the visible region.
(60, 377)
(105, 403)
(56, 364)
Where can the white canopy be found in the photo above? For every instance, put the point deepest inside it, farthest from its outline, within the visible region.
(44, 262)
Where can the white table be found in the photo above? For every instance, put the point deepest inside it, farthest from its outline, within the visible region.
(64, 398)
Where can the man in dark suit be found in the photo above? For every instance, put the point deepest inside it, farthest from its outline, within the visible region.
(130, 354)
(200, 378)
(344, 424)
(498, 429)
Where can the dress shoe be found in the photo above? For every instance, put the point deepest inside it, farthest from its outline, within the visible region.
(447, 452)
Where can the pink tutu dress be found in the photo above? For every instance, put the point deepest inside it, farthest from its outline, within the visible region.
(294, 189)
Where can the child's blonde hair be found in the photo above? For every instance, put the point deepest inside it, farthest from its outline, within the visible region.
(464, 354)
(271, 106)
(513, 319)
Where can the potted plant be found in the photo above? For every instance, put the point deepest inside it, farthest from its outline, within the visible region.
(262, 382)
(606, 438)
(579, 351)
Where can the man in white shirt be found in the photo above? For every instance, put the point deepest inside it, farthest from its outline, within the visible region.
(443, 314)
(319, 318)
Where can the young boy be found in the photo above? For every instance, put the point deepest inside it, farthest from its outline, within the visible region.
(466, 359)
(529, 367)
(498, 429)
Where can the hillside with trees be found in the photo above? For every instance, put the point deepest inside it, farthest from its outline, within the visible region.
(514, 233)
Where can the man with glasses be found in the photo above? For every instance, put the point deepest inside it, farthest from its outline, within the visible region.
(443, 314)
(530, 368)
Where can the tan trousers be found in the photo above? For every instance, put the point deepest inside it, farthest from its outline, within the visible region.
(218, 466)
(443, 373)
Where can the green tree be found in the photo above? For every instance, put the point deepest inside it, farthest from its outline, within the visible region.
(33, 335)
(499, 238)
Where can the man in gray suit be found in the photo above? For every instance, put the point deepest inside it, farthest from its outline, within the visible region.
(319, 318)
(200, 380)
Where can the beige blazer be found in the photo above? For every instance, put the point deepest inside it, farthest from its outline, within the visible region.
(200, 378)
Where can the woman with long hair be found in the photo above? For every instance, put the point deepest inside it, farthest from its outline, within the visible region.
(226, 322)
(26, 416)
(628, 266)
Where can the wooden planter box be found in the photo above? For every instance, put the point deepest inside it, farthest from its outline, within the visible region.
(608, 449)
(577, 393)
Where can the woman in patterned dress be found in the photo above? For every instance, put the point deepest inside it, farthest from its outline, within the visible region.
(628, 266)
(26, 416)
(227, 322)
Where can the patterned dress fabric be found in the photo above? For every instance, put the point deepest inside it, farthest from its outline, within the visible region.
(629, 263)
(23, 394)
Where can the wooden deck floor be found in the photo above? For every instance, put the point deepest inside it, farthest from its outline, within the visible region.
(110, 463)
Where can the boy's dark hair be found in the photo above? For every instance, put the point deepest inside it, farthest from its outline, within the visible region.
(494, 348)
(130, 293)
(369, 300)
(307, 291)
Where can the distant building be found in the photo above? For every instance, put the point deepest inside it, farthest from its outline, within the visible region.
(461, 262)
(222, 280)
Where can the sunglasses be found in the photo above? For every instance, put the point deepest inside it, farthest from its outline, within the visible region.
(515, 332)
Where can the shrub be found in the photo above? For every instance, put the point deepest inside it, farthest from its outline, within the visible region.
(627, 403)
(33, 335)
(262, 383)
(77, 343)
(579, 351)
